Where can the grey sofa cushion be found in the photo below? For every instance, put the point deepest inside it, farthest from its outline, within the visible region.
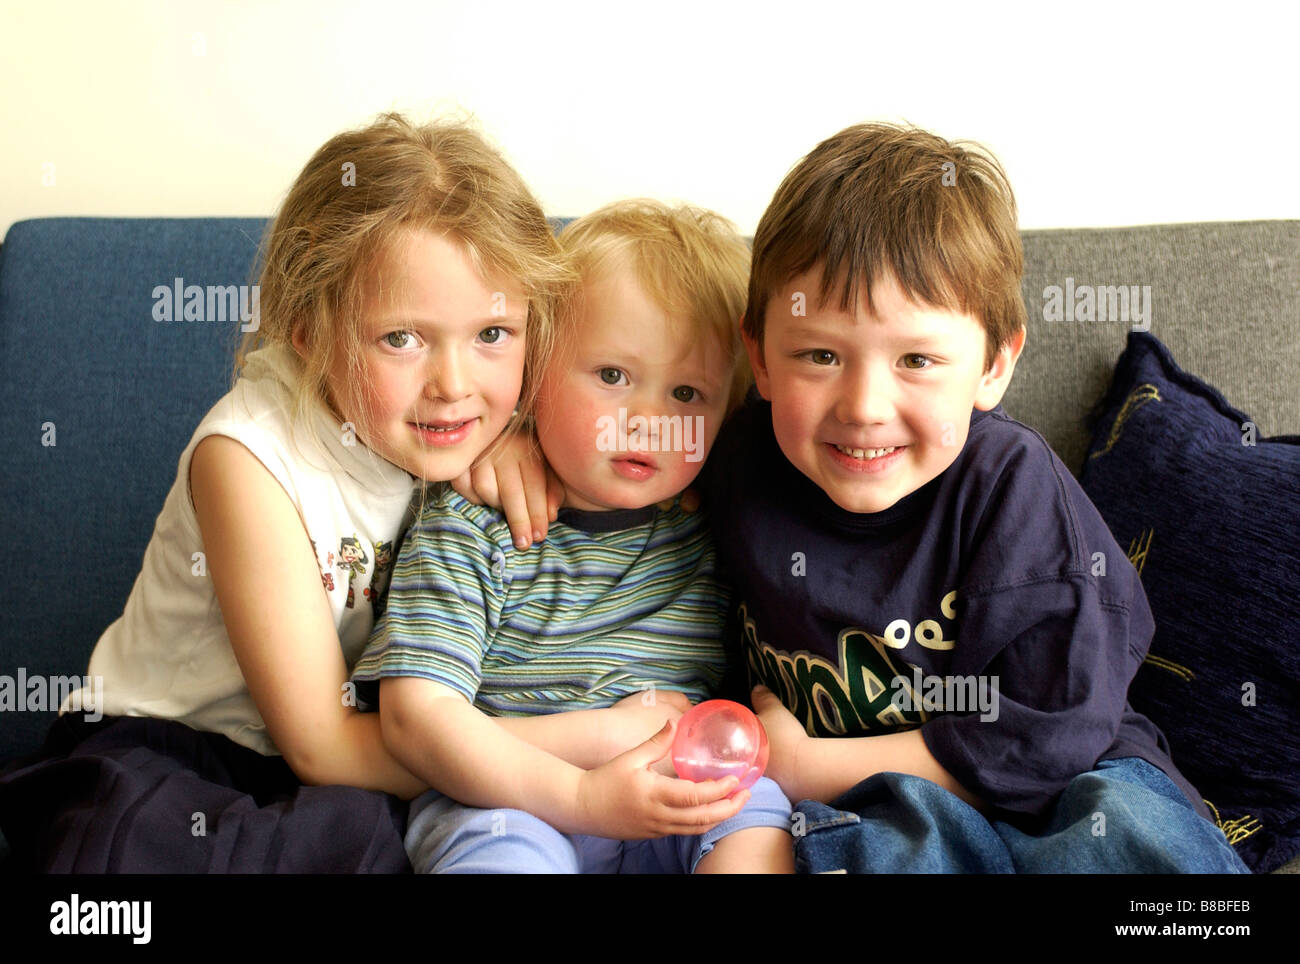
(1225, 299)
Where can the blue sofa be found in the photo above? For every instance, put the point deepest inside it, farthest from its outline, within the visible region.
(97, 398)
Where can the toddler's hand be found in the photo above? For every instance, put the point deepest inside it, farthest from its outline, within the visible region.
(518, 481)
(624, 800)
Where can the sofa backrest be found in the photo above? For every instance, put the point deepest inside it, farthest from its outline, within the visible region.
(1224, 298)
(98, 399)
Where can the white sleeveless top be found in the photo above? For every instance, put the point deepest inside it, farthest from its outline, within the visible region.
(168, 656)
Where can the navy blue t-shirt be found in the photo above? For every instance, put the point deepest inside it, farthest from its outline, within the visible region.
(992, 607)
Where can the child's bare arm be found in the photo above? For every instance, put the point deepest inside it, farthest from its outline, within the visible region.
(808, 768)
(464, 754)
(277, 617)
(590, 738)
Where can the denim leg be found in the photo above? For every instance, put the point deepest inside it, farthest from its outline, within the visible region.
(895, 823)
(1124, 817)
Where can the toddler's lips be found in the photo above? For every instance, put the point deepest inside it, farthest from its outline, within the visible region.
(634, 467)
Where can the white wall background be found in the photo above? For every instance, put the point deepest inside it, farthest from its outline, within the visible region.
(1112, 113)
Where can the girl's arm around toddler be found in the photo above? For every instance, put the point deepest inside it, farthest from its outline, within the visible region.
(268, 585)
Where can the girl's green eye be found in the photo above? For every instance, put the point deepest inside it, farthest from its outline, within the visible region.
(491, 335)
(398, 339)
(611, 376)
(684, 393)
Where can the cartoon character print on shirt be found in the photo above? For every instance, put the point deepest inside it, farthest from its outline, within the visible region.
(326, 576)
(352, 560)
(382, 575)
(872, 690)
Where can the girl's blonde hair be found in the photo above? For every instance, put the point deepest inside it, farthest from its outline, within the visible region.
(355, 197)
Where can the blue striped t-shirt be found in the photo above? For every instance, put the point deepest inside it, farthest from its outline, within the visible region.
(611, 604)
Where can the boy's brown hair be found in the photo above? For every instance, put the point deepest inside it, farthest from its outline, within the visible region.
(691, 262)
(879, 199)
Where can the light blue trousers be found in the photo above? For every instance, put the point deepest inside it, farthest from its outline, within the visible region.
(446, 837)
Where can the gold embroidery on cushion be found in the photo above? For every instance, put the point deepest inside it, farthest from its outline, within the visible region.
(1170, 665)
(1236, 829)
(1137, 549)
(1136, 399)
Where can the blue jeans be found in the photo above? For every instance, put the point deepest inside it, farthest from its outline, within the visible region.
(1126, 816)
(446, 837)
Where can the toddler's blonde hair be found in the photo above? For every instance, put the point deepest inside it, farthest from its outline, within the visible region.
(690, 261)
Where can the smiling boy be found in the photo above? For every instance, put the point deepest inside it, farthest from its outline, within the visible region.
(884, 521)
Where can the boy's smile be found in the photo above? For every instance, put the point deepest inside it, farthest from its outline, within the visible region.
(872, 405)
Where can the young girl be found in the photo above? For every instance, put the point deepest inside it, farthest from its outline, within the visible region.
(405, 300)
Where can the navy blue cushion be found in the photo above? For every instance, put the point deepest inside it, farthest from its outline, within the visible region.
(1211, 516)
(80, 351)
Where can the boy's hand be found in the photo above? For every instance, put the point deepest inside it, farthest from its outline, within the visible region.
(786, 737)
(624, 800)
(517, 481)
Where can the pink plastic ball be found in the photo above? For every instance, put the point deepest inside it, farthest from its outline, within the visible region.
(717, 739)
